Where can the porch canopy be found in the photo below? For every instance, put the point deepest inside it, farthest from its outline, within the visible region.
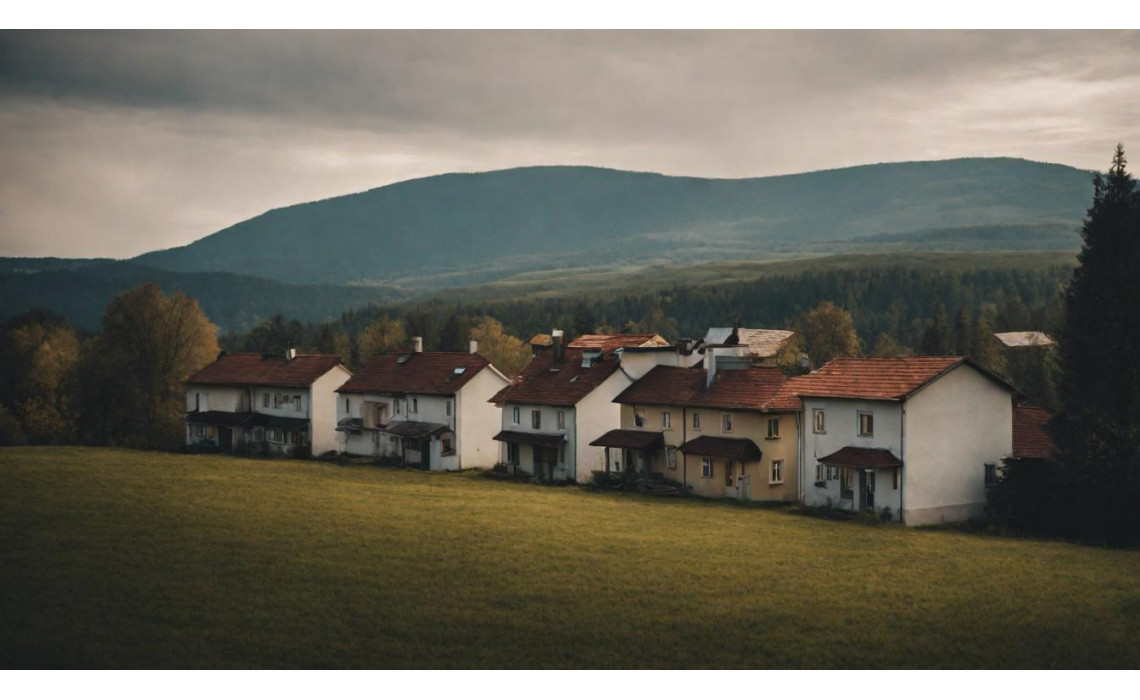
(414, 428)
(862, 458)
(540, 439)
(261, 420)
(353, 426)
(224, 419)
(740, 449)
(630, 439)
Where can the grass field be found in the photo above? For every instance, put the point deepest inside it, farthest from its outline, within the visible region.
(112, 558)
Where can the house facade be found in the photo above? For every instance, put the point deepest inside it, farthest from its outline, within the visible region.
(916, 437)
(561, 401)
(283, 404)
(423, 409)
(719, 433)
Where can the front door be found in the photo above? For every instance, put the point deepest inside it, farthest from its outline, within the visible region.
(867, 487)
(226, 438)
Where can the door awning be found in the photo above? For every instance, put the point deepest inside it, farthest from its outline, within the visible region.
(740, 449)
(540, 439)
(630, 439)
(413, 428)
(862, 458)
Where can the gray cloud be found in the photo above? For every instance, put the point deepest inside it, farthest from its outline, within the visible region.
(115, 143)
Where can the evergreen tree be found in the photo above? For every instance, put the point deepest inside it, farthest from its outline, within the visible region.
(938, 338)
(964, 332)
(1097, 432)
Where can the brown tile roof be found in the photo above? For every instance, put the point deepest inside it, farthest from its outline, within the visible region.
(540, 439)
(740, 449)
(754, 389)
(618, 340)
(630, 439)
(547, 383)
(248, 368)
(1030, 439)
(419, 373)
(862, 457)
(884, 378)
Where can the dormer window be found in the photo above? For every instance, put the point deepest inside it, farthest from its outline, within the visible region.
(458, 371)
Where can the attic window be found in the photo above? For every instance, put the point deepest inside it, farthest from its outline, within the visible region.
(402, 359)
(458, 371)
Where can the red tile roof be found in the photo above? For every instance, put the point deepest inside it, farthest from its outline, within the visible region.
(548, 383)
(248, 368)
(1030, 439)
(862, 457)
(419, 373)
(884, 378)
(618, 340)
(755, 389)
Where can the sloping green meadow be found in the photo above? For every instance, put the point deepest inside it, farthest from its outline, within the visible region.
(114, 558)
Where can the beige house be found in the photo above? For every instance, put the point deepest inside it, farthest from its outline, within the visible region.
(728, 433)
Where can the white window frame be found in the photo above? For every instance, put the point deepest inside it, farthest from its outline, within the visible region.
(820, 472)
(516, 415)
(706, 468)
(415, 405)
(870, 420)
(776, 472)
(726, 423)
(773, 423)
(696, 420)
(666, 420)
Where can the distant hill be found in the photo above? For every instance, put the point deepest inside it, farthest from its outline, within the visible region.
(459, 229)
(231, 301)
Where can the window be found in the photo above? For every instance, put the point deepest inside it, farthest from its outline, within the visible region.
(513, 451)
(846, 483)
(296, 402)
(818, 421)
(832, 473)
(820, 473)
(638, 418)
(515, 417)
(197, 402)
(277, 400)
(729, 468)
(199, 431)
(696, 421)
(294, 437)
(258, 433)
(536, 420)
(449, 407)
(671, 457)
(773, 428)
(895, 479)
(726, 423)
(866, 424)
(446, 445)
(991, 473)
(706, 467)
(347, 406)
(396, 403)
(273, 435)
(666, 420)
(265, 400)
(415, 405)
(777, 475)
(562, 420)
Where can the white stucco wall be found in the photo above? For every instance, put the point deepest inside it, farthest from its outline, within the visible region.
(637, 363)
(596, 415)
(320, 405)
(841, 424)
(217, 398)
(954, 426)
(549, 424)
(479, 420)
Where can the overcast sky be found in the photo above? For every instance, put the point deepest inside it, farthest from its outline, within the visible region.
(113, 144)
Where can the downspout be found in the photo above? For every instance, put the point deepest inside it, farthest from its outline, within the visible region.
(902, 458)
(684, 457)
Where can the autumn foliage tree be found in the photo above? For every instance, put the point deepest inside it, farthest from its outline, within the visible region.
(824, 333)
(508, 353)
(381, 335)
(131, 375)
(38, 355)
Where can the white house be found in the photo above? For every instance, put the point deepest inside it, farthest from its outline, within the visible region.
(563, 400)
(278, 403)
(424, 409)
(918, 435)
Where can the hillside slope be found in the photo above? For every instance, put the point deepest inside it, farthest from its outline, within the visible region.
(456, 229)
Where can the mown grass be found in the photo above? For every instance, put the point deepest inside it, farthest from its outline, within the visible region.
(112, 558)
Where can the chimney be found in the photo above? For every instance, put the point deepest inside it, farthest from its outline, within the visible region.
(556, 338)
(290, 354)
(473, 347)
(417, 343)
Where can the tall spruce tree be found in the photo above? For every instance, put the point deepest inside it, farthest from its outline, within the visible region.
(1097, 432)
(938, 338)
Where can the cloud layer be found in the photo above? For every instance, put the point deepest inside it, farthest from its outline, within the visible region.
(118, 143)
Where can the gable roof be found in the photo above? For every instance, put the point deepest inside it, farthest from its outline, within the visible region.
(753, 388)
(613, 341)
(1030, 439)
(419, 373)
(256, 369)
(548, 383)
(761, 342)
(880, 378)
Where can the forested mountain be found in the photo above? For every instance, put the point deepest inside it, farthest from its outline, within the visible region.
(231, 301)
(458, 229)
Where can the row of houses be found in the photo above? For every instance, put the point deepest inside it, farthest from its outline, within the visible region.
(915, 439)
